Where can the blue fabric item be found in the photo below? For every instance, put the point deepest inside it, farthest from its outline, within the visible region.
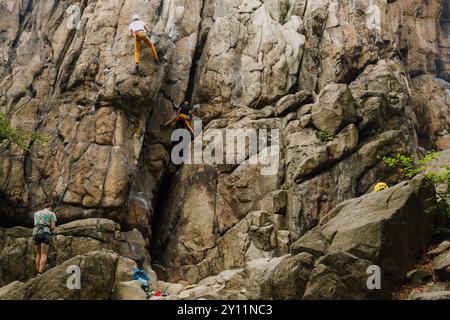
(140, 275)
(144, 284)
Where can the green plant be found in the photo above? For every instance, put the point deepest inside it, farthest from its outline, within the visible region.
(407, 165)
(324, 136)
(21, 139)
(440, 179)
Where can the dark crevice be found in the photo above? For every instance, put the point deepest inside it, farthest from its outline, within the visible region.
(23, 21)
(201, 41)
(161, 199)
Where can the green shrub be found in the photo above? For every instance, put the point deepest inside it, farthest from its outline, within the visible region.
(21, 139)
(407, 165)
(324, 136)
(440, 179)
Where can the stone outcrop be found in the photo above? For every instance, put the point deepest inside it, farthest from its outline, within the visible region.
(388, 229)
(53, 284)
(441, 264)
(130, 290)
(340, 84)
(17, 252)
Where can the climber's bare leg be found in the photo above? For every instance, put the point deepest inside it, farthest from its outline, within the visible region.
(174, 119)
(44, 254)
(38, 257)
(188, 125)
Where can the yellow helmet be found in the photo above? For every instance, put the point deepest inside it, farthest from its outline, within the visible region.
(380, 186)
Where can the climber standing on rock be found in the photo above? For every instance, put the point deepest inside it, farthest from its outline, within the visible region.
(139, 30)
(44, 225)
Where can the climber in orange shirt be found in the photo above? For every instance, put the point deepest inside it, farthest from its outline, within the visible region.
(138, 29)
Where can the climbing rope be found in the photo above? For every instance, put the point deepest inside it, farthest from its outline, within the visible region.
(62, 196)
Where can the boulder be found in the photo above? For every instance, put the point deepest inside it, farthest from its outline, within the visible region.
(124, 271)
(306, 155)
(289, 279)
(342, 276)
(443, 246)
(310, 198)
(17, 257)
(130, 290)
(431, 291)
(419, 276)
(435, 295)
(441, 265)
(236, 284)
(292, 102)
(97, 269)
(334, 108)
(373, 228)
(103, 230)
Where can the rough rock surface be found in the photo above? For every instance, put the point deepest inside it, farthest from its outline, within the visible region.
(388, 229)
(130, 290)
(442, 265)
(53, 284)
(438, 291)
(17, 254)
(343, 83)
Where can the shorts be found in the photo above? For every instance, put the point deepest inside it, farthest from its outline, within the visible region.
(184, 118)
(39, 238)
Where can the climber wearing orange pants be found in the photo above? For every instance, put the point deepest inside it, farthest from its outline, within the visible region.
(183, 114)
(138, 30)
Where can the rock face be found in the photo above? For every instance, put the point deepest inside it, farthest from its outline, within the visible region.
(128, 291)
(17, 255)
(438, 291)
(78, 64)
(335, 108)
(336, 85)
(53, 284)
(388, 229)
(442, 265)
(370, 228)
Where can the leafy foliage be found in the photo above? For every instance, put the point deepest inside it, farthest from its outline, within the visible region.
(407, 165)
(440, 179)
(21, 139)
(324, 136)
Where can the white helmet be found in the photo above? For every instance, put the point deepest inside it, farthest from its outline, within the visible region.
(136, 17)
